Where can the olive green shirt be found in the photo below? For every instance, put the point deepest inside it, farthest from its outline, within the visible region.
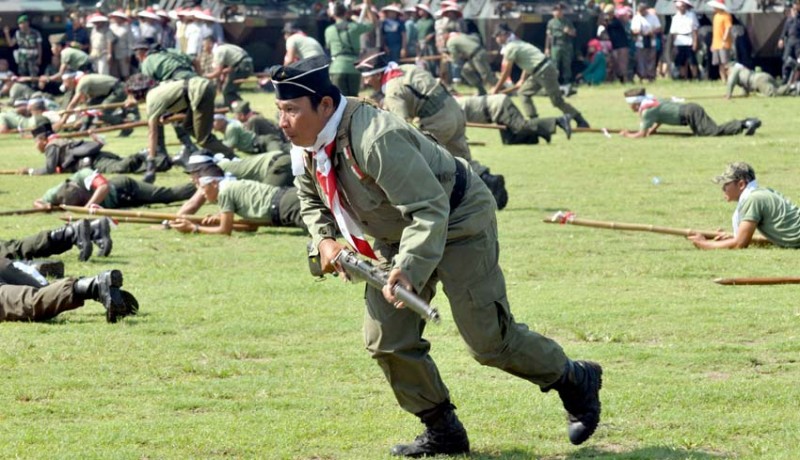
(74, 59)
(227, 55)
(461, 46)
(168, 65)
(11, 119)
(239, 138)
(749, 80)
(425, 27)
(555, 28)
(246, 198)
(777, 218)
(168, 97)
(84, 178)
(483, 109)
(256, 167)
(304, 47)
(96, 85)
(345, 45)
(665, 113)
(402, 196)
(401, 93)
(526, 56)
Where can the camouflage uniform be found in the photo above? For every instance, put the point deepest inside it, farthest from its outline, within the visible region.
(27, 53)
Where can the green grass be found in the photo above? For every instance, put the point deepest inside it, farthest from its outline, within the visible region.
(239, 353)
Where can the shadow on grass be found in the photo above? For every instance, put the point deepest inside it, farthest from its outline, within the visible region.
(646, 453)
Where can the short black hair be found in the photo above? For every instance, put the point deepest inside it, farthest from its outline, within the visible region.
(316, 99)
(339, 10)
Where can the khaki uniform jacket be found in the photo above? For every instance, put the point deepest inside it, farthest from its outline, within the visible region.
(403, 93)
(397, 186)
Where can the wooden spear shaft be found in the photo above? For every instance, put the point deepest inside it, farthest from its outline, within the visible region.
(133, 124)
(485, 125)
(611, 131)
(117, 213)
(22, 212)
(758, 281)
(562, 218)
(114, 105)
(152, 221)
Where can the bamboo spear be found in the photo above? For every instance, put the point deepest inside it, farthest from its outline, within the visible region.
(471, 124)
(9, 172)
(21, 212)
(606, 131)
(758, 281)
(114, 105)
(239, 227)
(133, 124)
(569, 218)
(160, 216)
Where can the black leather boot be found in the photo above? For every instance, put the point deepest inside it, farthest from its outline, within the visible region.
(101, 235)
(579, 390)
(497, 185)
(444, 435)
(580, 121)
(78, 234)
(105, 288)
(150, 171)
(563, 122)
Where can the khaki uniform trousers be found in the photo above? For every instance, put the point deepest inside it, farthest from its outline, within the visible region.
(32, 247)
(473, 282)
(449, 127)
(546, 78)
(26, 303)
(696, 118)
(476, 72)
(200, 122)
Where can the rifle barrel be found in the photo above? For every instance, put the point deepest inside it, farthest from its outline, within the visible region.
(377, 278)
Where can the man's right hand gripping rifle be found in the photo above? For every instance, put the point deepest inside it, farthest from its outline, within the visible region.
(395, 286)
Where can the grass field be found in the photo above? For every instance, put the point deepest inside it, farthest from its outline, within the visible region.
(239, 353)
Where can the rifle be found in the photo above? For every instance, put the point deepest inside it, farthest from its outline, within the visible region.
(569, 218)
(156, 216)
(758, 281)
(376, 278)
(22, 212)
(607, 131)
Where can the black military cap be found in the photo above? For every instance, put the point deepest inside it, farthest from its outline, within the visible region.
(141, 44)
(302, 78)
(502, 29)
(41, 126)
(373, 64)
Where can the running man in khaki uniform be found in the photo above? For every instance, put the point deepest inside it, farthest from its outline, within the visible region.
(97, 89)
(476, 71)
(343, 41)
(231, 63)
(365, 172)
(537, 72)
(299, 45)
(412, 93)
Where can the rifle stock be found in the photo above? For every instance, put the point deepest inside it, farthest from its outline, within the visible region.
(376, 278)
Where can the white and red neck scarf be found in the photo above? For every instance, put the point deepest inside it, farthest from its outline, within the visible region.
(391, 72)
(322, 150)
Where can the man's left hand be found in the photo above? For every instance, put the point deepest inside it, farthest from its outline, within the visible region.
(396, 276)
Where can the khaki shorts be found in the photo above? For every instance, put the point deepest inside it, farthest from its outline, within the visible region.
(720, 57)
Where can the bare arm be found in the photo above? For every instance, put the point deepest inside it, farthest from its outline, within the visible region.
(193, 204)
(744, 235)
(225, 226)
(9, 38)
(641, 133)
(99, 195)
(504, 74)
